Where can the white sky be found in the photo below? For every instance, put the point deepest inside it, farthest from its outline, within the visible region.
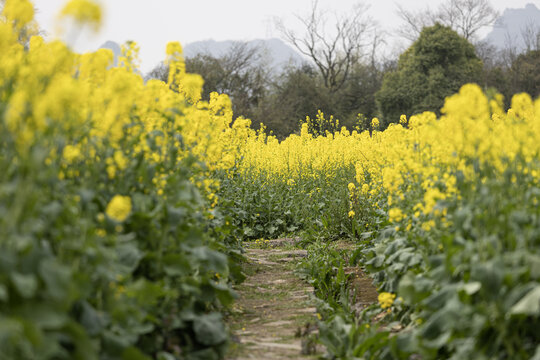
(154, 23)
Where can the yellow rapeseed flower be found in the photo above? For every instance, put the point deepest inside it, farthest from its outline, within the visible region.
(85, 12)
(174, 48)
(375, 123)
(71, 153)
(386, 299)
(365, 189)
(120, 160)
(403, 119)
(395, 215)
(19, 11)
(119, 208)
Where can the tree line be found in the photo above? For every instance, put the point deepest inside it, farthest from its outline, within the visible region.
(347, 75)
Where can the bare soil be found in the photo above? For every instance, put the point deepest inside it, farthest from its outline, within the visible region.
(274, 317)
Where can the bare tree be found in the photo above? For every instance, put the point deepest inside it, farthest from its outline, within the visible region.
(466, 17)
(488, 53)
(240, 72)
(241, 57)
(333, 46)
(414, 21)
(530, 34)
(510, 51)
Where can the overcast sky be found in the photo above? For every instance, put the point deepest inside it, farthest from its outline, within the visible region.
(154, 23)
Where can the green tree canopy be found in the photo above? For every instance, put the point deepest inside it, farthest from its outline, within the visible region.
(526, 73)
(434, 67)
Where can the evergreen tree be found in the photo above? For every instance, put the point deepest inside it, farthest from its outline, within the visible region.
(434, 67)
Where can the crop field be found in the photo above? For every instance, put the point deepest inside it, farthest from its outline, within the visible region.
(125, 206)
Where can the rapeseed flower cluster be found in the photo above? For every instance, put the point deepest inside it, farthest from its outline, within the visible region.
(21, 12)
(119, 208)
(86, 96)
(386, 300)
(420, 156)
(84, 12)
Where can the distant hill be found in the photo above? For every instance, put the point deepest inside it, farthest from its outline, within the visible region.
(509, 28)
(275, 52)
(116, 49)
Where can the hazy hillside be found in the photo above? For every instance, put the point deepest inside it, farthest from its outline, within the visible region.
(116, 49)
(275, 52)
(509, 28)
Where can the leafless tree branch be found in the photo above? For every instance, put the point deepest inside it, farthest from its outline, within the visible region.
(333, 52)
(530, 34)
(466, 17)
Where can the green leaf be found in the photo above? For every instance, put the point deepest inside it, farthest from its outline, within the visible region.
(146, 292)
(93, 321)
(490, 275)
(439, 298)
(129, 256)
(25, 284)
(176, 265)
(57, 279)
(206, 354)
(529, 304)
(209, 329)
(536, 355)
(534, 261)
(215, 261)
(132, 353)
(4, 295)
(176, 214)
(10, 328)
(43, 315)
(414, 288)
(162, 355)
(52, 209)
(472, 287)
(248, 231)
(376, 261)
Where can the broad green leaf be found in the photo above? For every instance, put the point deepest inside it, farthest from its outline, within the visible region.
(209, 329)
(472, 287)
(216, 261)
(248, 231)
(146, 292)
(92, 320)
(176, 265)
(57, 278)
(529, 304)
(133, 353)
(162, 355)
(206, 354)
(25, 284)
(490, 275)
(9, 327)
(440, 298)
(4, 295)
(176, 214)
(129, 256)
(536, 355)
(44, 315)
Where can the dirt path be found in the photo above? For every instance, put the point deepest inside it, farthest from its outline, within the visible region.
(274, 317)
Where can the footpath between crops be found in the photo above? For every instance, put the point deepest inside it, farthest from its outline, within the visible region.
(274, 316)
